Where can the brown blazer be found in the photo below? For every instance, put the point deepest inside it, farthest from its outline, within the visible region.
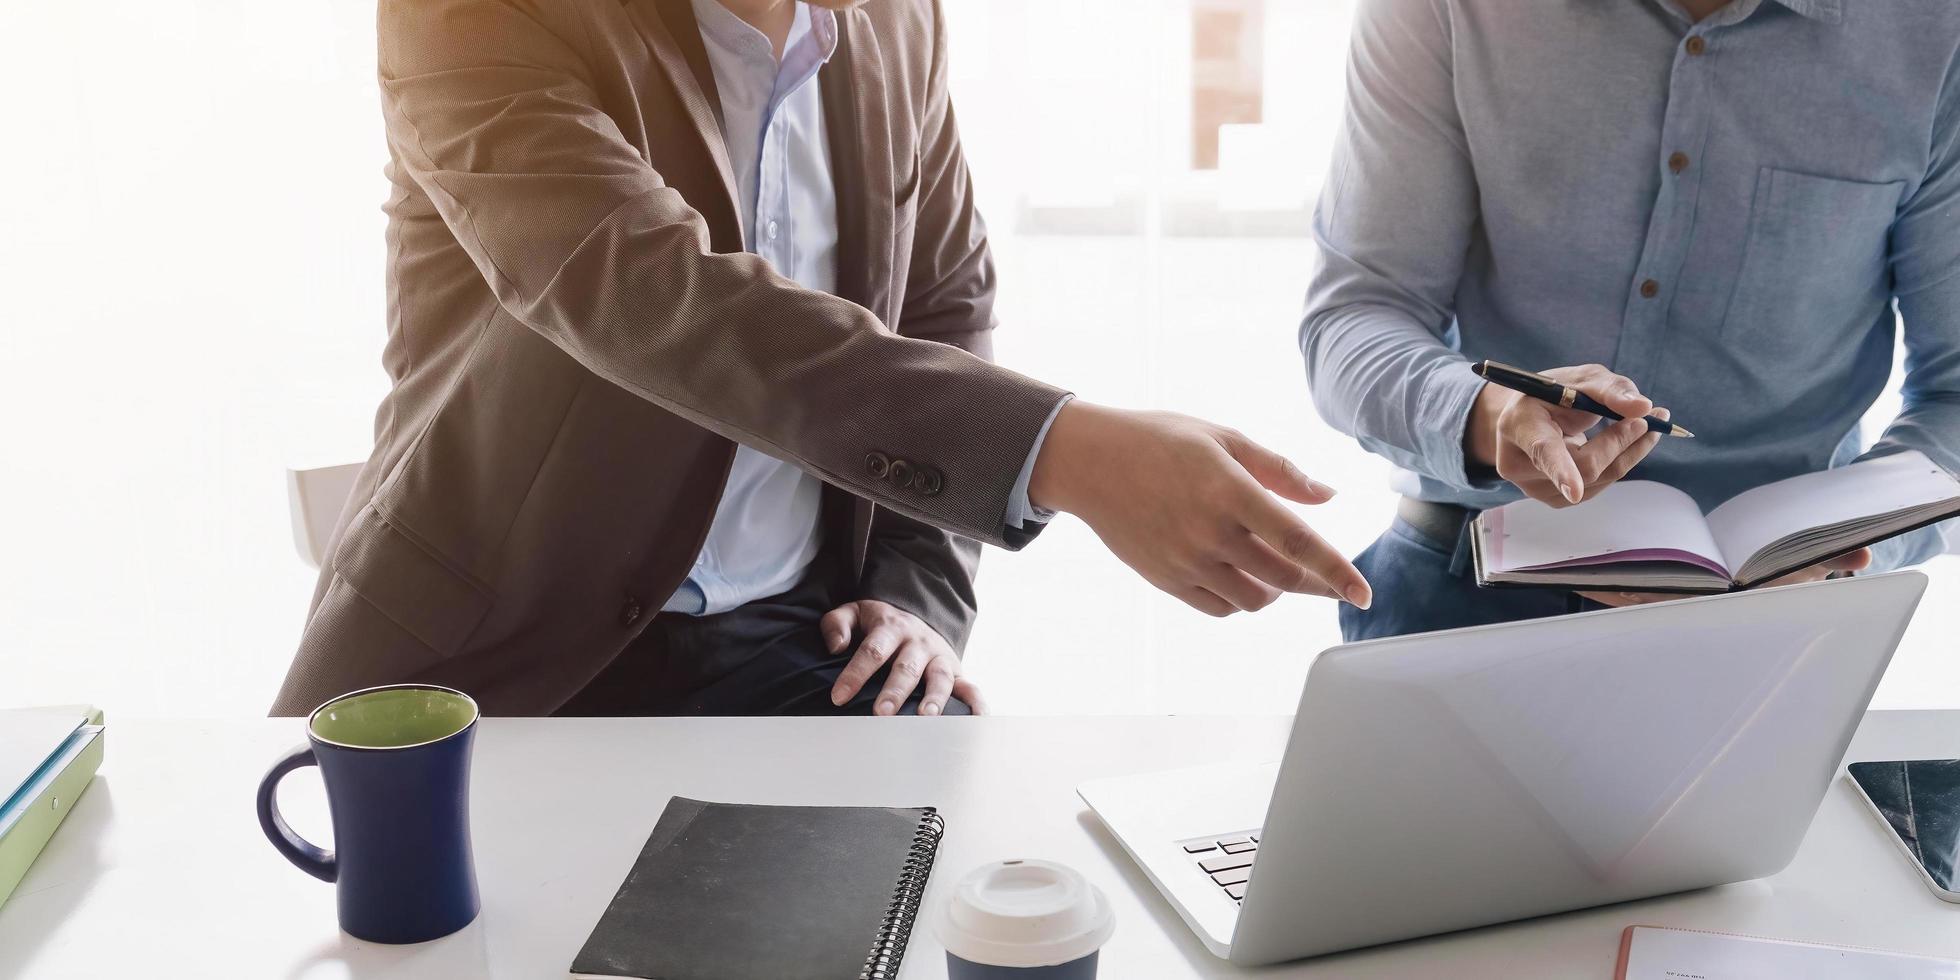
(577, 342)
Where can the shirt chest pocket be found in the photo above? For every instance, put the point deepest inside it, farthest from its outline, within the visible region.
(1815, 259)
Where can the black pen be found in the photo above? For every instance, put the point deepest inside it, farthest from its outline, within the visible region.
(1534, 385)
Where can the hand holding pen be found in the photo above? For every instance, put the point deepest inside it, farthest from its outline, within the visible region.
(1532, 428)
(1552, 392)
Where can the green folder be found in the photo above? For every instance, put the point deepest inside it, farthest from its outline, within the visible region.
(48, 757)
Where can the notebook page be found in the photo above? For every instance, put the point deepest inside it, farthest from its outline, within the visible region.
(1633, 520)
(1754, 519)
(1671, 954)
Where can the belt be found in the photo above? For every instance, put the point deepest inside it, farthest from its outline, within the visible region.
(1444, 523)
(1441, 523)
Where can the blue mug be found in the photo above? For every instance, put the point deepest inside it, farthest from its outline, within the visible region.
(396, 761)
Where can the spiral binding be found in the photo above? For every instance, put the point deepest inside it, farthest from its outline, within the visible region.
(888, 949)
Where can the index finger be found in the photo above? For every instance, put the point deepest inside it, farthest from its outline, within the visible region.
(1604, 451)
(1299, 544)
(1543, 442)
(1615, 391)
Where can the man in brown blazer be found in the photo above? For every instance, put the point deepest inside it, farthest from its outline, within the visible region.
(605, 377)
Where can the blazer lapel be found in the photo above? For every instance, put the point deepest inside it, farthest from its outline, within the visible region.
(671, 33)
(855, 114)
(678, 15)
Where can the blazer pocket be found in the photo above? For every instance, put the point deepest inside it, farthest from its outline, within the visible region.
(1816, 255)
(408, 584)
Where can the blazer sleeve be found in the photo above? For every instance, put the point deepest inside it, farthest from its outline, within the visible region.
(489, 109)
(949, 298)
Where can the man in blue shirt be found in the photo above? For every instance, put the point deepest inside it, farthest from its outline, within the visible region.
(1720, 201)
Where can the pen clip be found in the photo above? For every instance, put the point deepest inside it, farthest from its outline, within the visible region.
(1521, 372)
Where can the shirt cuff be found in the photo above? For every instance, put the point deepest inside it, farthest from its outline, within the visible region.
(1020, 510)
(1443, 419)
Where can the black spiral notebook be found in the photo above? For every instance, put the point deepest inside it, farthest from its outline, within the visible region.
(726, 891)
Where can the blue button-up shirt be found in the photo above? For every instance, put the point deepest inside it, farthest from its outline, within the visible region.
(766, 529)
(1724, 211)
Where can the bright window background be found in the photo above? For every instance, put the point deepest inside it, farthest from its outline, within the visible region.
(191, 249)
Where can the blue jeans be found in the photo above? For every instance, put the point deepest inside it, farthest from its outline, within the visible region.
(1422, 584)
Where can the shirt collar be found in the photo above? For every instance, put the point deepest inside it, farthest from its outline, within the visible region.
(812, 40)
(1828, 11)
(815, 25)
(1737, 11)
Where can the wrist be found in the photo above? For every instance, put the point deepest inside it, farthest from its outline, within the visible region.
(1480, 430)
(1050, 486)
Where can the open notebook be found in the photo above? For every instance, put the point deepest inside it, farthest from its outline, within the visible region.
(1650, 537)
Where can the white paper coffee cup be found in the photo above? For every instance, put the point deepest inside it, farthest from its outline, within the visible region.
(1024, 920)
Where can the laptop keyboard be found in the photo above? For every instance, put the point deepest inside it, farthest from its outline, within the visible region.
(1226, 859)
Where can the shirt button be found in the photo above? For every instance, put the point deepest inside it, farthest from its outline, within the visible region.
(630, 613)
(1678, 162)
(772, 231)
(1697, 44)
(1650, 289)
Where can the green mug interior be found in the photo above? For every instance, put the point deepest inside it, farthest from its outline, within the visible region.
(393, 717)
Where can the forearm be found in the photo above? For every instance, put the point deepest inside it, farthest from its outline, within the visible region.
(808, 378)
(1915, 548)
(1925, 267)
(1394, 386)
(1931, 426)
(1929, 416)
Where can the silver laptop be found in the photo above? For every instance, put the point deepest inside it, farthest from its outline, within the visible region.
(1462, 778)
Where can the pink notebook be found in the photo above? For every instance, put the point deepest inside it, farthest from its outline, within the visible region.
(1649, 537)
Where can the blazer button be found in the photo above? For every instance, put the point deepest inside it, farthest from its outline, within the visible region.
(630, 613)
(901, 473)
(928, 481)
(879, 464)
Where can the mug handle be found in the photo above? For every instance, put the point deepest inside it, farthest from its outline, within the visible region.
(308, 857)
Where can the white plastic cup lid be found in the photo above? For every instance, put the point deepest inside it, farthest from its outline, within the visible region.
(1025, 913)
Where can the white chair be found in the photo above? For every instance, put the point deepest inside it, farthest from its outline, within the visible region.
(315, 498)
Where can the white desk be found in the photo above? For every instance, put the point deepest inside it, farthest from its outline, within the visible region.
(161, 868)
